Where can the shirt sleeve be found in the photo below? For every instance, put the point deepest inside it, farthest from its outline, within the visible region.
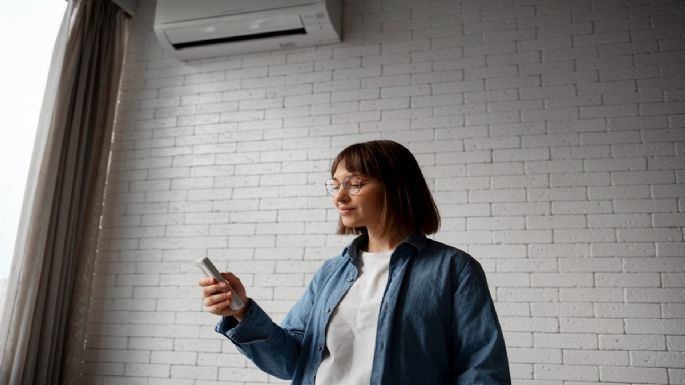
(274, 349)
(480, 353)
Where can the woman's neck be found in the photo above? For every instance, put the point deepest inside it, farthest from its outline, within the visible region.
(385, 242)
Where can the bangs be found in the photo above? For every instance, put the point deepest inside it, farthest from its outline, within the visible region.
(359, 159)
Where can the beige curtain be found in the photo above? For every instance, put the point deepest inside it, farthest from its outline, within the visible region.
(55, 243)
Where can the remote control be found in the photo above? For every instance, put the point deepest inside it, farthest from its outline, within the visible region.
(210, 270)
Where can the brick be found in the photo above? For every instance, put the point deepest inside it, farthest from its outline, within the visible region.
(529, 324)
(488, 251)
(537, 355)
(574, 101)
(669, 249)
(577, 77)
(550, 140)
(658, 359)
(676, 376)
(586, 125)
(591, 325)
(567, 372)
(669, 220)
(552, 91)
(578, 207)
(665, 163)
(561, 280)
(594, 294)
(553, 166)
(628, 73)
(647, 235)
(522, 236)
(580, 179)
(471, 144)
(565, 340)
(555, 222)
(660, 264)
(522, 208)
(643, 177)
(621, 374)
(520, 155)
(646, 295)
(556, 194)
(597, 357)
(654, 326)
(601, 38)
(638, 122)
(527, 265)
(489, 49)
(664, 135)
(673, 280)
(632, 342)
(648, 149)
(608, 111)
(507, 181)
(558, 250)
(618, 220)
(460, 157)
(590, 265)
(496, 223)
(502, 168)
(618, 192)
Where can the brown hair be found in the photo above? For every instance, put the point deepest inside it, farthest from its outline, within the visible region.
(408, 206)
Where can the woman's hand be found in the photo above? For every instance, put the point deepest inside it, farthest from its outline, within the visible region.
(217, 297)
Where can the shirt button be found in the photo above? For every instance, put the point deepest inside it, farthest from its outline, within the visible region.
(350, 279)
(382, 346)
(319, 348)
(328, 310)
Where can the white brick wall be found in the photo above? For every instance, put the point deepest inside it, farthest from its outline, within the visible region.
(552, 134)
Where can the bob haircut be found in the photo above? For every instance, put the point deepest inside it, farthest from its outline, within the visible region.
(408, 206)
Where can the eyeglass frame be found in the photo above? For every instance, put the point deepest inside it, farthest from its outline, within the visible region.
(345, 184)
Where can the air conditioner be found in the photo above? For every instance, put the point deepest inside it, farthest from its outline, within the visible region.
(206, 28)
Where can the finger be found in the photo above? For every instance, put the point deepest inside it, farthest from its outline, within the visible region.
(218, 300)
(206, 281)
(213, 299)
(219, 308)
(231, 278)
(222, 303)
(236, 285)
(213, 289)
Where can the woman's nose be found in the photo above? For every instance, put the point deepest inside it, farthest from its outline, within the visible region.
(341, 195)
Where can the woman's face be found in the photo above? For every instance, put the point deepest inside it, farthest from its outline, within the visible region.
(362, 209)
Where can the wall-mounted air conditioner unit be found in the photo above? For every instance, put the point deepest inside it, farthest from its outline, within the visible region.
(206, 28)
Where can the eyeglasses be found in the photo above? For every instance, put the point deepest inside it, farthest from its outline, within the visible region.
(350, 184)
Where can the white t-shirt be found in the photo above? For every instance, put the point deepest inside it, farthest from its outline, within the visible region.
(351, 332)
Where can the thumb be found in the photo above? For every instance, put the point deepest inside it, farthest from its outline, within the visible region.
(236, 284)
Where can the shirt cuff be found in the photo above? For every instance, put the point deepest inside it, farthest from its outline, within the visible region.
(255, 327)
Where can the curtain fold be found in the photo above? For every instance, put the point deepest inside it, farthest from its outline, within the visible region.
(52, 267)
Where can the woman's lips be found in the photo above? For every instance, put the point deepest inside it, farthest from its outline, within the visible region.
(345, 210)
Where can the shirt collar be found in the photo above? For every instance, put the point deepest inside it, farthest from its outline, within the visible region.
(416, 241)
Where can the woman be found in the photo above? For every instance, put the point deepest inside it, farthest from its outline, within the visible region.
(393, 308)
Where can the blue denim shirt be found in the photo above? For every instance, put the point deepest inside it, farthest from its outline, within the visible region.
(437, 324)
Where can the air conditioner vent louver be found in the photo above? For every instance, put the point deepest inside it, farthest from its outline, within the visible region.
(193, 30)
(231, 39)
